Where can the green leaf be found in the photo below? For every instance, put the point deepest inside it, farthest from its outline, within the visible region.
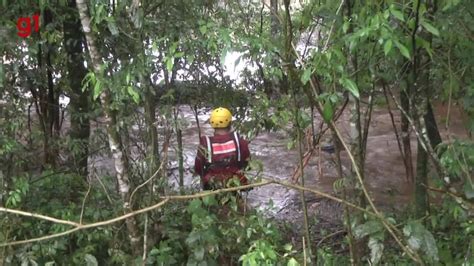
(90, 260)
(431, 249)
(112, 27)
(421, 239)
(97, 89)
(127, 78)
(203, 29)
(345, 26)
(290, 145)
(403, 49)
(209, 200)
(469, 190)
(387, 47)
(191, 59)
(223, 56)
(137, 17)
(450, 4)
(306, 76)
(328, 111)
(173, 48)
(88, 79)
(134, 94)
(292, 262)
(368, 228)
(169, 63)
(426, 45)
(376, 250)
(350, 86)
(199, 253)
(414, 242)
(194, 205)
(398, 14)
(430, 28)
(193, 238)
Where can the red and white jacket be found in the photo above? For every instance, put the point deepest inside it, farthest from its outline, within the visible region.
(221, 157)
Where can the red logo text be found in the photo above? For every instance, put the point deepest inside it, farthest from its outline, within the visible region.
(24, 25)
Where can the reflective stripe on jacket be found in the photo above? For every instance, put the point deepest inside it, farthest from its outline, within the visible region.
(221, 157)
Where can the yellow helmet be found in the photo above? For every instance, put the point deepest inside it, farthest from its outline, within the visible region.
(220, 118)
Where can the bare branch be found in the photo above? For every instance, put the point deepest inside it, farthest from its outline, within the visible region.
(84, 202)
(38, 216)
(78, 226)
(146, 182)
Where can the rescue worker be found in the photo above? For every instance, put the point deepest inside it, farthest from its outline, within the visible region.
(221, 158)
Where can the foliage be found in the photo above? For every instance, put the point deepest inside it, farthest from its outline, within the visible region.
(158, 56)
(216, 233)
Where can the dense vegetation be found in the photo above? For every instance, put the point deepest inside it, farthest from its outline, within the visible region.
(127, 66)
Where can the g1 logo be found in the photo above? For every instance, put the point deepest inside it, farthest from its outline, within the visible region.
(24, 25)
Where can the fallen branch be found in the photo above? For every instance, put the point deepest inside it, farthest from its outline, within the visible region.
(38, 216)
(78, 226)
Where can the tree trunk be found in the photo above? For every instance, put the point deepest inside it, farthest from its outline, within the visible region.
(153, 156)
(52, 100)
(292, 80)
(423, 115)
(121, 164)
(179, 139)
(79, 100)
(47, 99)
(421, 181)
(356, 142)
(419, 85)
(347, 213)
(272, 87)
(432, 127)
(405, 103)
(274, 18)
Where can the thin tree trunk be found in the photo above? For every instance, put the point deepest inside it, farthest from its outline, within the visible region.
(47, 100)
(432, 127)
(395, 129)
(196, 117)
(275, 25)
(303, 198)
(80, 126)
(425, 119)
(356, 140)
(179, 139)
(421, 181)
(121, 164)
(405, 104)
(52, 99)
(290, 57)
(152, 133)
(347, 217)
(419, 111)
(272, 86)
